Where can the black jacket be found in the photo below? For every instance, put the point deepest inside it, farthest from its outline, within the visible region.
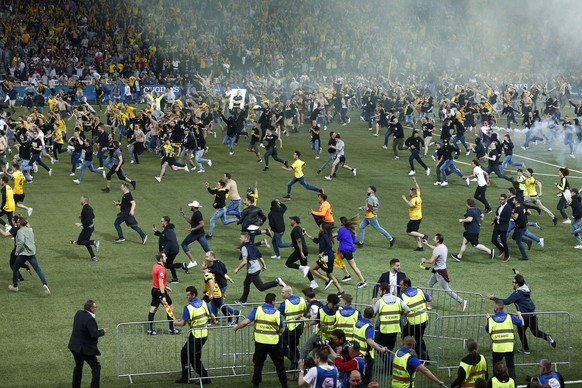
(85, 334)
(168, 242)
(276, 217)
(252, 215)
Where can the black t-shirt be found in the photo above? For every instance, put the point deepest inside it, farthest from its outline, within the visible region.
(314, 132)
(493, 153)
(196, 220)
(297, 233)
(427, 129)
(331, 142)
(255, 135)
(219, 270)
(521, 221)
(36, 146)
(126, 203)
(271, 140)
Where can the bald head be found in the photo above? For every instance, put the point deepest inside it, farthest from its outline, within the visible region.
(408, 342)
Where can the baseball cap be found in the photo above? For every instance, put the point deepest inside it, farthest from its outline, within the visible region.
(194, 204)
(355, 345)
(296, 219)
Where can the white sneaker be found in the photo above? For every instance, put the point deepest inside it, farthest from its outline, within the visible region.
(445, 184)
(77, 181)
(412, 172)
(209, 163)
(104, 175)
(579, 246)
(542, 242)
(8, 227)
(385, 147)
(354, 172)
(468, 153)
(433, 158)
(50, 172)
(281, 282)
(100, 168)
(266, 243)
(428, 171)
(35, 167)
(29, 211)
(187, 169)
(437, 183)
(304, 269)
(275, 257)
(314, 284)
(46, 290)
(158, 179)
(464, 305)
(192, 264)
(568, 221)
(327, 178)
(231, 153)
(72, 174)
(474, 180)
(468, 181)
(572, 156)
(200, 171)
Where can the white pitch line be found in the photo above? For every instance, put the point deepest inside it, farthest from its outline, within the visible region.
(549, 164)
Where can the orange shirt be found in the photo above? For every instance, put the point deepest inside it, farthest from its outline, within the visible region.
(158, 272)
(324, 212)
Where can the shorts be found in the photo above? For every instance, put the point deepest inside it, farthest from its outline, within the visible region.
(413, 226)
(325, 263)
(18, 198)
(288, 122)
(347, 255)
(156, 298)
(472, 238)
(254, 147)
(342, 159)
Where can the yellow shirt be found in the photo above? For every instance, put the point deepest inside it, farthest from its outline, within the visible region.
(415, 211)
(530, 187)
(18, 178)
(297, 167)
(216, 293)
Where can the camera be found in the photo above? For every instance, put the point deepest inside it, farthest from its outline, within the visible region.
(323, 342)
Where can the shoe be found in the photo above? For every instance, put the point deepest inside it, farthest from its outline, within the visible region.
(269, 232)
(192, 264)
(287, 197)
(542, 242)
(29, 211)
(347, 278)
(208, 236)
(239, 302)
(77, 181)
(468, 153)
(529, 244)
(97, 244)
(313, 284)
(429, 306)
(104, 175)
(92, 259)
(555, 220)
(568, 221)
(260, 160)
(209, 163)
(99, 168)
(419, 249)
(327, 178)
(361, 284)
(538, 225)
(445, 184)
(359, 244)
(72, 174)
(433, 158)
(119, 240)
(385, 147)
(286, 164)
(12, 288)
(50, 171)
(474, 180)
(281, 282)
(425, 237)
(106, 190)
(523, 259)
(579, 246)
(275, 257)
(231, 153)
(456, 257)
(158, 179)
(200, 171)
(468, 181)
(464, 305)
(488, 211)
(551, 340)
(133, 184)
(321, 191)
(505, 260)
(318, 172)
(174, 331)
(412, 172)
(396, 158)
(152, 332)
(328, 284)
(266, 168)
(266, 243)
(354, 171)
(304, 269)
(523, 351)
(428, 172)
(437, 183)
(340, 294)
(46, 290)
(182, 380)
(392, 242)
(174, 281)
(186, 168)
(145, 240)
(492, 254)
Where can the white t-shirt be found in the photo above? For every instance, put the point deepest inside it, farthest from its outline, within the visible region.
(311, 376)
(480, 175)
(441, 252)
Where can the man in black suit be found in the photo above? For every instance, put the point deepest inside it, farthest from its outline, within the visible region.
(500, 226)
(83, 344)
(392, 277)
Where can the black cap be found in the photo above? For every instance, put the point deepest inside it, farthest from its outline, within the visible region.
(296, 219)
(355, 345)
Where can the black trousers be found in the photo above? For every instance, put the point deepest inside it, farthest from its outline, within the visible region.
(80, 360)
(499, 239)
(497, 357)
(480, 196)
(275, 352)
(292, 260)
(255, 278)
(290, 340)
(417, 331)
(195, 348)
(85, 239)
(170, 257)
(530, 321)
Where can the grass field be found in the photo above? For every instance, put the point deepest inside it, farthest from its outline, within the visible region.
(35, 329)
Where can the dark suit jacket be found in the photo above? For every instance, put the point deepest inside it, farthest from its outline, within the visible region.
(85, 334)
(385, 278)
(504, 218)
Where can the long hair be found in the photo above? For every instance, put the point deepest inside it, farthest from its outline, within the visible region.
(350, 224)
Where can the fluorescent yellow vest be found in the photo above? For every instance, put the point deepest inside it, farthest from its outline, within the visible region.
(474, 372)
(400, 376)
(417, 305)
(293, 312)
(502, 335)
(389, 315)
(198, 320)
(267, 327)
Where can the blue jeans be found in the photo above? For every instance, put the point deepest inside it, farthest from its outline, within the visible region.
(219, 213)
(387, 136)
(368, 118)
(575, 229)
(230, 142)
(374, 222)
(75, 158)
(36, 158)
(191, 237)
(153, 142)
(121, 218)
(330, 159)
(277, 242)
(315, 146)
(527, 232)
(302, 183)
(88, 164)
(20, 260)
(200, 160)
(233, 207)
(101, 156)
(25, 167)
(122, 132)
(449, 163)
(461, 139)
(507, 160)
(518, 236)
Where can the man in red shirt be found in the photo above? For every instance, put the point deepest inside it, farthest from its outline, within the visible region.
(160, 293)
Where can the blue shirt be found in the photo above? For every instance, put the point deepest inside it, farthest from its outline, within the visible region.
(197, 303)
(369, 330)
(347, 311)
(294, 299)
(268, 309)
(411, 292)
(500, 317)
(413, 361)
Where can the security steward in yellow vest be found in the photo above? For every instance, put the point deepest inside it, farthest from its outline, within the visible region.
(346, 317)
(500, 377)
(417, 318)
(389, 309)
(500, 328)
(406, 365)
(196, 315)
(364, 335)
(269, 325)
(325, 325)
(472, 367)
(292, 309)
